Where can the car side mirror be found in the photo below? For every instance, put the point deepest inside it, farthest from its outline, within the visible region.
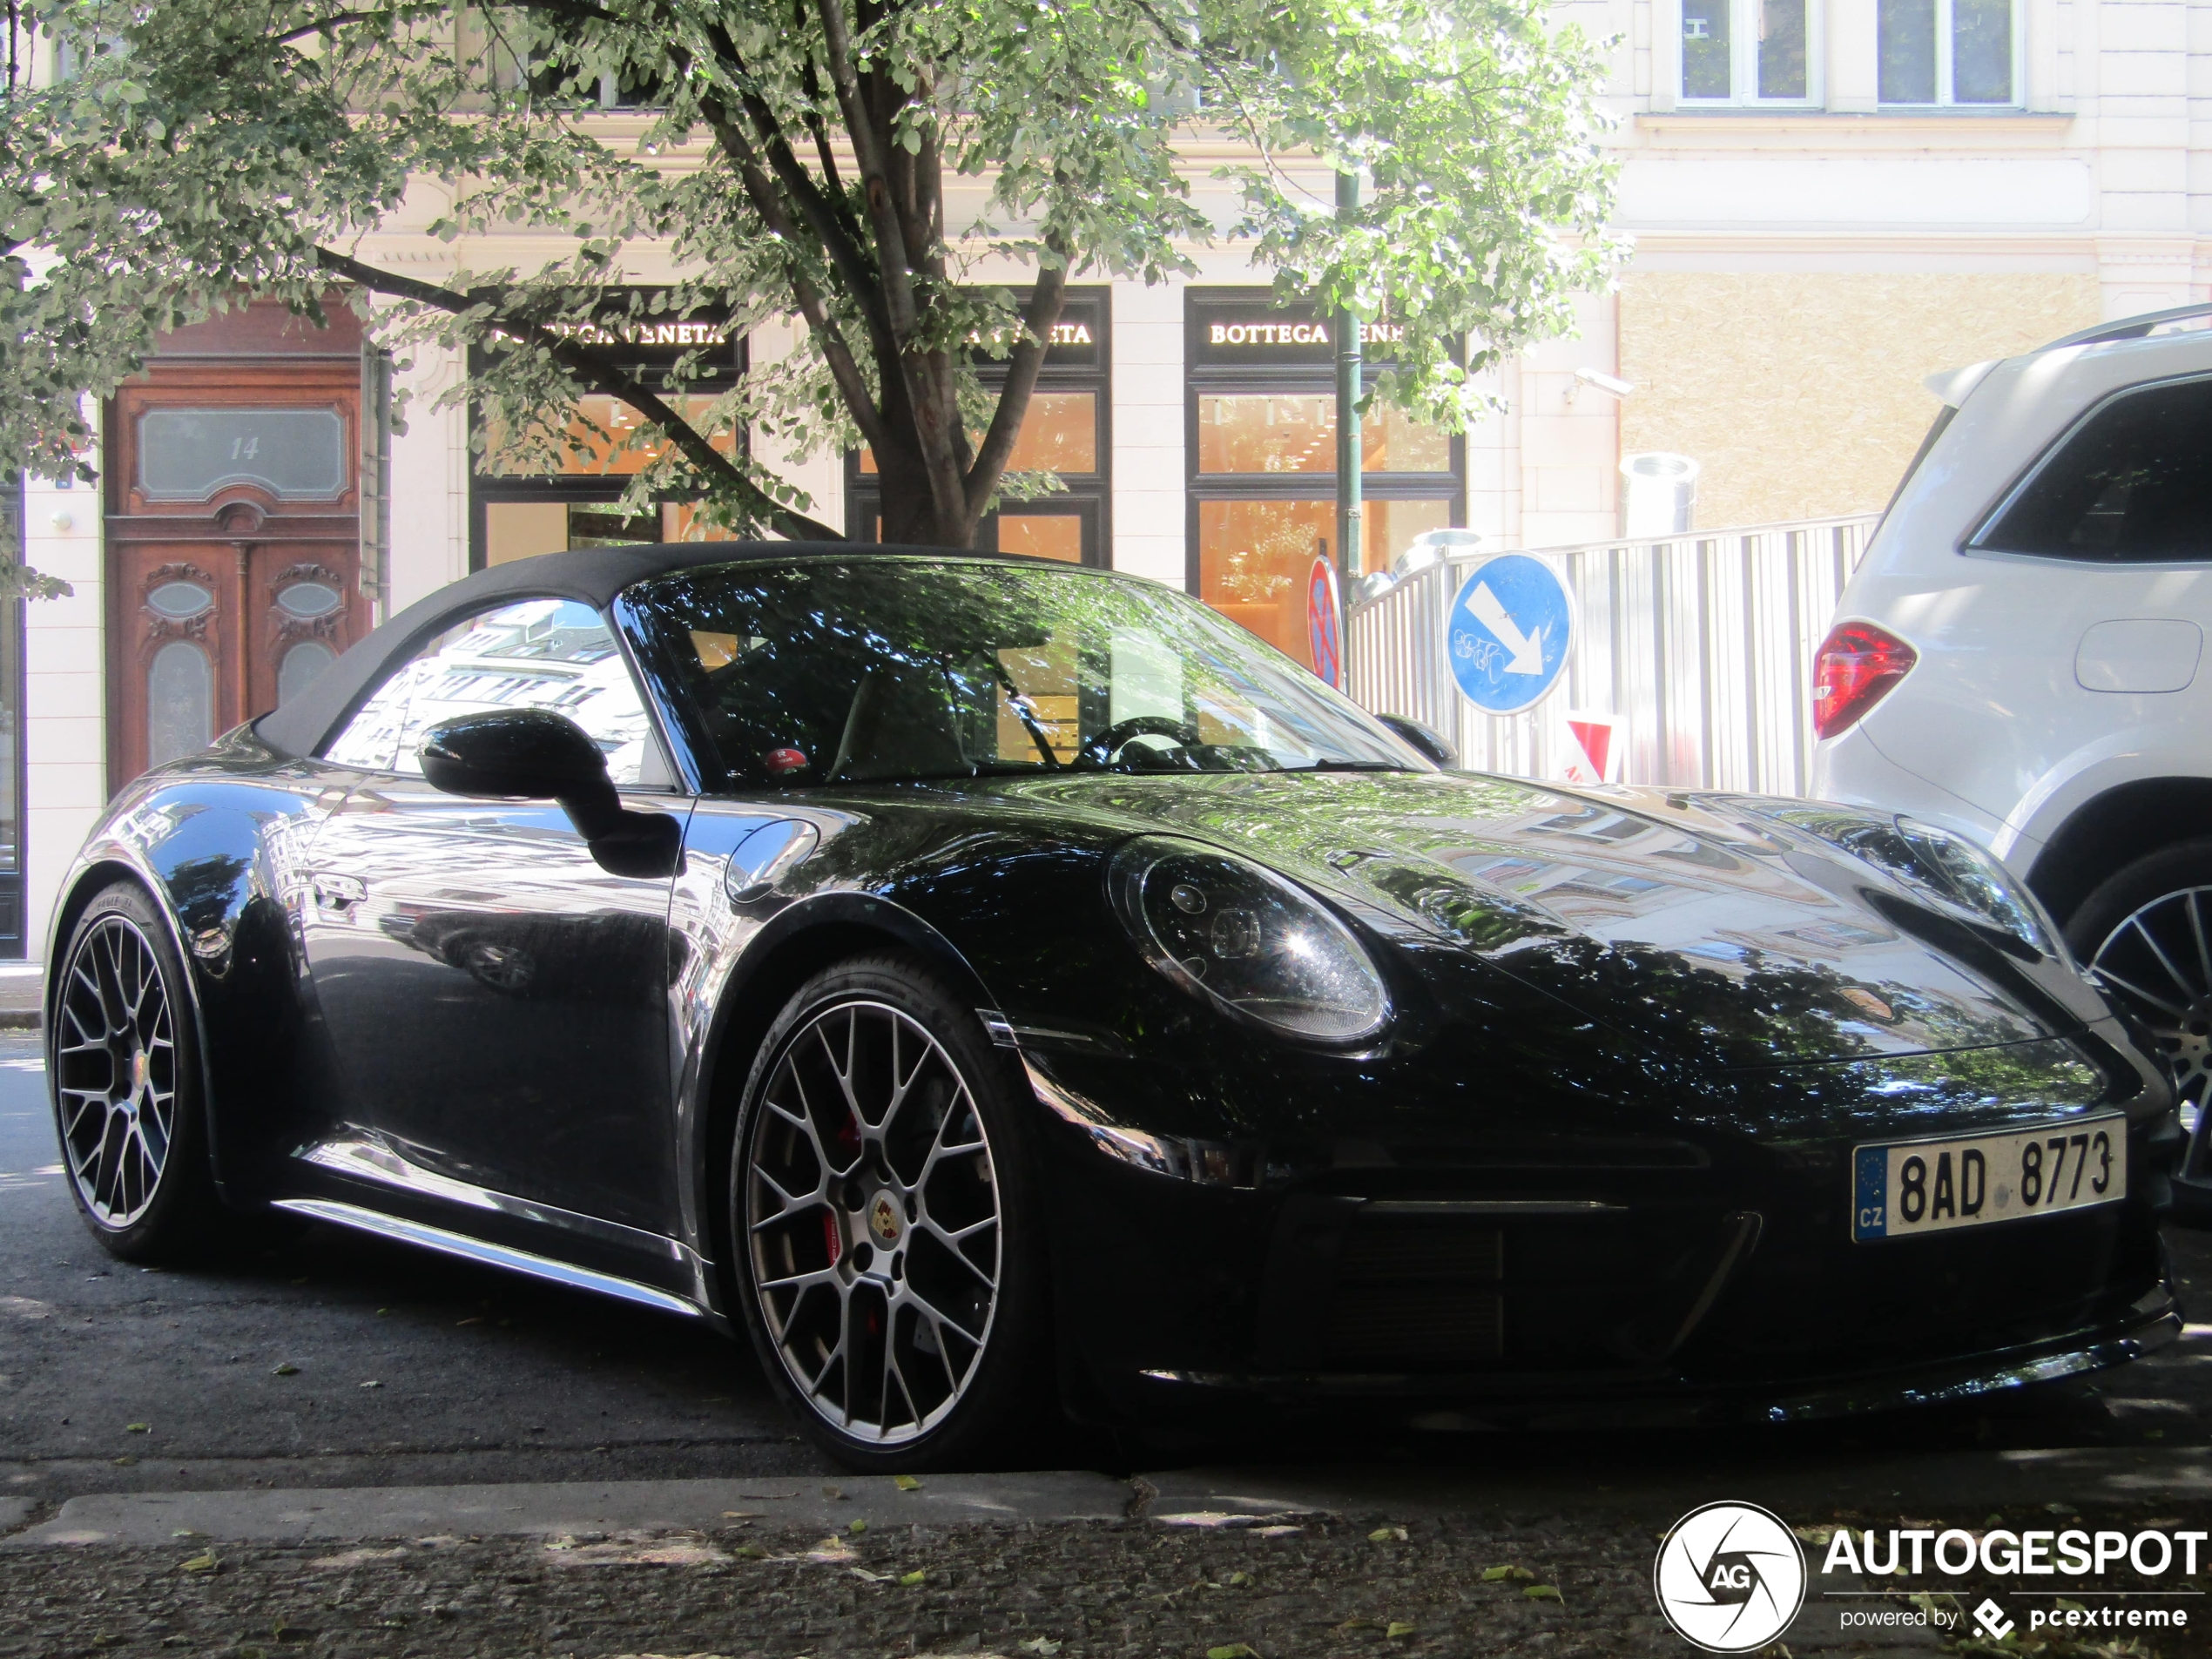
(534, 754)
(1431, 744)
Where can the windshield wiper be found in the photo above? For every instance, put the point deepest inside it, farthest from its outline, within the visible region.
(1352, 765)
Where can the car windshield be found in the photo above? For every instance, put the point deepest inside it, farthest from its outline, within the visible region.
(892, 668)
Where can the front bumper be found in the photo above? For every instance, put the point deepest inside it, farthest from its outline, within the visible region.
(1474, 1401)
(1682, 1277)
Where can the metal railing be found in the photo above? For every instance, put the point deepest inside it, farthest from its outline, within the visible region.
(1700, 644)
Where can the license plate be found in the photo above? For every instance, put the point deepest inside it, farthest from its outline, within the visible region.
(1902, 1189)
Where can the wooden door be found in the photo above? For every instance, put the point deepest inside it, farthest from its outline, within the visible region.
(233, 547)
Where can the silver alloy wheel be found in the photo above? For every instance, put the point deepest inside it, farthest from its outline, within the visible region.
(2159, 962)
(115, 1069)
(872, 1205)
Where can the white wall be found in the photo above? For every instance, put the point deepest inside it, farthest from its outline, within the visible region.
(1149, 511)
(65, 695)
(430, 483)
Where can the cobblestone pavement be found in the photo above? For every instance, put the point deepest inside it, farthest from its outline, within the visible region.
(1320, 1587)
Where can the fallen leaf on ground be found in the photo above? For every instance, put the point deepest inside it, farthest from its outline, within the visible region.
(858, 1526)
(206, 1563)
(137, 1428)
(358, 1558)
(914, 1578)
(372, 1383)
(287, 1369)
(1386, 1535)
(741, 1514)
(1039, 1645)
(873, 1578)
(1491, 1574)
(1240, 1578)
(906, 1483)
(1232, 1650)
(1545, 1592)
(1398, 1628)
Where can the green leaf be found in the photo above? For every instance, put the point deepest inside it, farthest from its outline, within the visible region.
(1491, 1574)
(906, 1483)
(858, 1526)
(1543, 1593)
(203, 1563)
(1399, 1628)
(1232, 1650)
(914, 1578)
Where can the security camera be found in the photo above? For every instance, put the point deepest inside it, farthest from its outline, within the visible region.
(1611, 385)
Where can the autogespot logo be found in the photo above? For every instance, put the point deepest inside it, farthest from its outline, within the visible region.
(1730, 1578)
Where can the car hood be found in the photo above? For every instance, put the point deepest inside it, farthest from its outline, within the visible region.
(1659, 914)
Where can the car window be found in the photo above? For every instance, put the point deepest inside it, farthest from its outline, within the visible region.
(892, 669)
(2129, 485)
(535, 654)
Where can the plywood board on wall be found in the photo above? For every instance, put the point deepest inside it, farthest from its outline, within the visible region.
(1798, 392)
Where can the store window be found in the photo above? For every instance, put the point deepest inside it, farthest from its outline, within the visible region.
(1064, 432)
(1262, 443)
(1948, 52)
(1750, 52)
(555, 486)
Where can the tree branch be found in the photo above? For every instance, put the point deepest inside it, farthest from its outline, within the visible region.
(1021, 382)
(598, 371)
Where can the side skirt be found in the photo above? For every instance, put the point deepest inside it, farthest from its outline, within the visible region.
(475, 1250)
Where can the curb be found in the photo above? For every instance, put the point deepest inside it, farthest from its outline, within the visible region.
(20, 1020)
(315, 1516)
(1213, 1498)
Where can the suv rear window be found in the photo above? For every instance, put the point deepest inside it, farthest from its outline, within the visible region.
(2131, 484)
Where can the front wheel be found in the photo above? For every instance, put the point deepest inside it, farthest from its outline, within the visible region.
(886, 1233)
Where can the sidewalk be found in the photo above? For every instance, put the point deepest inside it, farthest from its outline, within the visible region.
(1222, 1564)
(22, 990)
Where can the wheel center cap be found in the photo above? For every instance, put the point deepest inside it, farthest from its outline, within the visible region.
(140, 1068)
(887, 1221)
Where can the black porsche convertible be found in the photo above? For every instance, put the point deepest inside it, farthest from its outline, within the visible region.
(1000, 987)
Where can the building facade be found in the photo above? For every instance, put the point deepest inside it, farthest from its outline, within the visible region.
(1831, 199)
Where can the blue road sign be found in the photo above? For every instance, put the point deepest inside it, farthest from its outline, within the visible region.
(1510, 623)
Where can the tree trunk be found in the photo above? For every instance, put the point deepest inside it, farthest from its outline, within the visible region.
(909, 516)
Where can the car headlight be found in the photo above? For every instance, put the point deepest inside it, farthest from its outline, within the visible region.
(1937, 863)
(1241, 937)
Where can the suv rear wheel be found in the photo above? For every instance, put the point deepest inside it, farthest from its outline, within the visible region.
(2145, 934)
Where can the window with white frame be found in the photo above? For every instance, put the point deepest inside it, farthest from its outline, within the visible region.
(1948, 52)
(1749, 52)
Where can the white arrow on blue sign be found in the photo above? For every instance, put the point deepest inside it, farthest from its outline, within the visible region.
(1508, 633)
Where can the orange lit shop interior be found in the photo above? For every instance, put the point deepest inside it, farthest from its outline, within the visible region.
(1260, 448)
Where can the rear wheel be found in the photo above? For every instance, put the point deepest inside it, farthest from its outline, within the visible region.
(2145, 934)
(123, 1059)
(886, 1234)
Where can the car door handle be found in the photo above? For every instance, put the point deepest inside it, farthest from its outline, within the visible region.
(339, 893)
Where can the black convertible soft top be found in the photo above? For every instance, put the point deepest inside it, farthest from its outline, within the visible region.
(593, 576)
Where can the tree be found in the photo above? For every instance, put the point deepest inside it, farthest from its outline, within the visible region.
(795, 160)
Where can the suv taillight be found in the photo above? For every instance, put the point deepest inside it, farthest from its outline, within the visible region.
(1855, 668)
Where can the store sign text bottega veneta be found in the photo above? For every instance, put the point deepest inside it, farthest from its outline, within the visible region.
(1297, 334)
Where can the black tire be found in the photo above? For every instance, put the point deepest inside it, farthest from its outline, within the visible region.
(123, 1073)
(2144, 933)
(890, 1342)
